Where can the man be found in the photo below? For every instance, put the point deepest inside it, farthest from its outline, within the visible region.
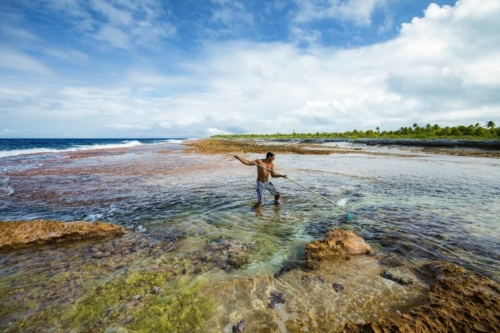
(264, 168)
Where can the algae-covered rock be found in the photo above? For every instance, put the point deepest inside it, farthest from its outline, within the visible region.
(225, 254)
(19, 234)
(398, 276)
(337, 244)
(115, 329)
(459, 301)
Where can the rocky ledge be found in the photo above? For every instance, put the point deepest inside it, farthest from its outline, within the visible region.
(459, 301)
(338, 244)
(19, 234)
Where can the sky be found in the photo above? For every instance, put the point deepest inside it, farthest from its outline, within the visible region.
(195, 68)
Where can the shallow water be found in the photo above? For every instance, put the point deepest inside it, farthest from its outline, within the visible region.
(191, 219)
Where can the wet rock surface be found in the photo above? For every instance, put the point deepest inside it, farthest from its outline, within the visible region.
(398, 276)
(64, 272)
(15, 235)
(337, 245)
(283, 270)
(239, 327)
(276, 298)
(137, 243)
(337, 287)
(391, 260)
(459, 301)
(221, 253)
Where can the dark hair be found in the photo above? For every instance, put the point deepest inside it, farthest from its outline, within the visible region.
(269, 154)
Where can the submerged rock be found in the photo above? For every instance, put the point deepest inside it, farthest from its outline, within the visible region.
(459, 301)
(276, 298)
(391, 260)
(14, 235)
(282, 271)
(156, 290)
(398, 276)
(337, 245)
(337, 287)
(239, 327)
(225, 254)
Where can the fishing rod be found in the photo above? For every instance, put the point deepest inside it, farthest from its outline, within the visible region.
(305, 188)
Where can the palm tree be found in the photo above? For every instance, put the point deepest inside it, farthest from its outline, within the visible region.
(490, 124)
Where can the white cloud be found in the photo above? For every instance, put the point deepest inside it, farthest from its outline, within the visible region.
(215, 131)
(126, 127)
(7, 131)
(67, 55)
(358, 12)
(121, 24)
(12, 59)
(114, 36)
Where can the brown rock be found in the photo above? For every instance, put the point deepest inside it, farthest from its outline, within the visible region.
(337, 244)
(14, 235)
(459, 301)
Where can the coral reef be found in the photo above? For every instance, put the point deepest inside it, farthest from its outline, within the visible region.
(14, 235)
(459, 301)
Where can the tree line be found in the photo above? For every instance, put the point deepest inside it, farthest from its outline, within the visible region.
(472, 132)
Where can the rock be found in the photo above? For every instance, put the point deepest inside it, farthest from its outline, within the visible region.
(239, 327)
(391, 260)
(282, 271)
(137, 297)
(337, 287)
(459, 301)
(276, 298)
(226, 254)
(398, 276)
(156, 290)
(115, 329)
(321, 279)
(14, 235)
(337, 245)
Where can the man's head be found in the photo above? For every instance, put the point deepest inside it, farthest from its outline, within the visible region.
(269, 154)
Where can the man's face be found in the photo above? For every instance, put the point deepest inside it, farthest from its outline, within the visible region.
(271, 158)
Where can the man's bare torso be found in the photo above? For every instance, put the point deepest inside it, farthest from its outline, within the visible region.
(263, 174)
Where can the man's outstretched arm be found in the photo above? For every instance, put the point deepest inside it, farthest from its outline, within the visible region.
(274, 174)
(246, 162)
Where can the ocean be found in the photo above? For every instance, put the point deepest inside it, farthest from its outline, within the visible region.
(15, 147)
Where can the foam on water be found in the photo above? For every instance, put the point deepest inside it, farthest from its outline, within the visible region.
(342, 202)
(125, 144)
(8, 149)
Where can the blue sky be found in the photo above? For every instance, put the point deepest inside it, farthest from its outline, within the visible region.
(123, 68)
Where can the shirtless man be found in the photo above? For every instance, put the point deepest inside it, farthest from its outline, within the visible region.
(263, 182)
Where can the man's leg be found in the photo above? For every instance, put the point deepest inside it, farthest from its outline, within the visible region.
(272, 189)
(260, 194)
(276, 199)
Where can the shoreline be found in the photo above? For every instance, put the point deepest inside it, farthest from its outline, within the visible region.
(404, 148)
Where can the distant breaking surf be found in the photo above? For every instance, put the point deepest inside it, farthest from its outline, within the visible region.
(8, 148)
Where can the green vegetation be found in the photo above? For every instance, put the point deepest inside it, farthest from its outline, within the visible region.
(471, 132)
